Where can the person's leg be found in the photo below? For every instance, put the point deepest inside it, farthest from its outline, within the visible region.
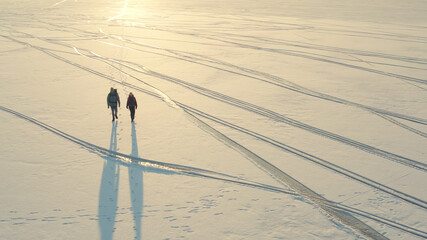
(112, 112)
(132, 112)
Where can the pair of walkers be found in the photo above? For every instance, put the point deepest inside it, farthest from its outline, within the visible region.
(113, 100)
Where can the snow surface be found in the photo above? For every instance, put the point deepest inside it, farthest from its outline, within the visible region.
(256, 119)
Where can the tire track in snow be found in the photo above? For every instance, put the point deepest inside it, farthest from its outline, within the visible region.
(301, 55)
(304, 155)
(197, 59)
(330, 208)
(324, 163)
(396, 193)
(276, 80)
(280, 118)
(340, 216)
(352, 175)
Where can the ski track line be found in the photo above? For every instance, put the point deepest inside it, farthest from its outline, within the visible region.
(129, 160)
(343, 217)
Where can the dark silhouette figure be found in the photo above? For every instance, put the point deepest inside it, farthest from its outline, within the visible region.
(112, 101)
(132, 105)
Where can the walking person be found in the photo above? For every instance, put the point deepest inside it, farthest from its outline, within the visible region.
(132, 105)
(112, 101)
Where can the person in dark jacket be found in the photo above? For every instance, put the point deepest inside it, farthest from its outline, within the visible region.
(132, 105)
(112, 101)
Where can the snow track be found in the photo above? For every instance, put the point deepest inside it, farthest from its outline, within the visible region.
(219, 36)
(304, 55)
(339, 216)
(270, 169)
(264, 77)
(268, 78)
(299, 153)
(278, 117)
(304, 155)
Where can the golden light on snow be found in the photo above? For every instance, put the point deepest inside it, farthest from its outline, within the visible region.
(122, 13)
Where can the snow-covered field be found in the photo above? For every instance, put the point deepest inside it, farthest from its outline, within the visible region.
(256, 119)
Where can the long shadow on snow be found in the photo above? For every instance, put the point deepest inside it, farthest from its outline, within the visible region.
(109, 189)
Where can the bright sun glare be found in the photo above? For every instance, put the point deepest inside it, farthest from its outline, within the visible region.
(122, 13)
